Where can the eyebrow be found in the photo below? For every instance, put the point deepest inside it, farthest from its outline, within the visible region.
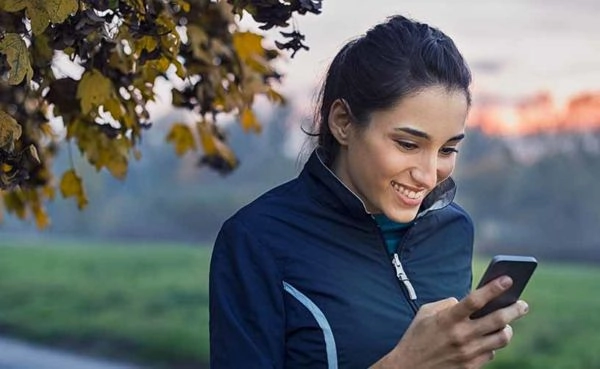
(417, 133)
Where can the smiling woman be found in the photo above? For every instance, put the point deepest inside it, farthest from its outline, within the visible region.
(361, 261)
(403, 153)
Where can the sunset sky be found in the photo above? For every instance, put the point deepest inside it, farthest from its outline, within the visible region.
(517, 49)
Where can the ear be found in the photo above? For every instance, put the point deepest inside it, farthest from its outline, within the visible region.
(340, 122)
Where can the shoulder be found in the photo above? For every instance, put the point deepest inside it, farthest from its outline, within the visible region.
(453, 212)
(452, 221)
(255, 232)
(270, 210)
(461, 213)
(460, 220)
(280, 202)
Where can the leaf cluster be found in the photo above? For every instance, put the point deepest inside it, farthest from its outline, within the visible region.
(123, 47)
(275, 13)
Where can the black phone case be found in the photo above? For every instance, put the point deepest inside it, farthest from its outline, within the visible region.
(518, 268)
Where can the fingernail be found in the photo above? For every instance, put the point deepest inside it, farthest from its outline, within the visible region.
(505, 282)
(524, 307)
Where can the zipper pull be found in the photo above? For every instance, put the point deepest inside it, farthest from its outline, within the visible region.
(403, 277)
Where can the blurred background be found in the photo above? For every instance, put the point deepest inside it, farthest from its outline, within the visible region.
(126, 279)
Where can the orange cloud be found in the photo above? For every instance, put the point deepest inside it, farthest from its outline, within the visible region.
(537, 114)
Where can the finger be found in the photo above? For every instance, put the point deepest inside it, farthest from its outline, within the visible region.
(483, 359)
(500, 318)
(479, 298)
(495, 341)
(437, 306)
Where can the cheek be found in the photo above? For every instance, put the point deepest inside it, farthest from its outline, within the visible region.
(445, 168)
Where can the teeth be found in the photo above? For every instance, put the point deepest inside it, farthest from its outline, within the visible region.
(406, 192)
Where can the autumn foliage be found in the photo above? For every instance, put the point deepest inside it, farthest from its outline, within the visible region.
(123, 47)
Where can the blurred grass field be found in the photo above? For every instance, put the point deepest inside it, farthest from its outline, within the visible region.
(140, 303)
(149, 304)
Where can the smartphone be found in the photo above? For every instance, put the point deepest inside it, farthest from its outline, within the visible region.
(518, 268)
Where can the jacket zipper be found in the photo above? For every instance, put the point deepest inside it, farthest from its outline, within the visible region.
(406, 287)
(403, 276)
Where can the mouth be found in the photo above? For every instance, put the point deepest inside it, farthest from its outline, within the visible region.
(408, 195)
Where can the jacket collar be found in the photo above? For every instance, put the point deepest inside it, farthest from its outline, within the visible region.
(331, 191)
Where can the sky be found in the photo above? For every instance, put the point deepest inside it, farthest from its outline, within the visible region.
(515, 48)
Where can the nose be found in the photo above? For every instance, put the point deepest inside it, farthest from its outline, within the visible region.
(425, 171)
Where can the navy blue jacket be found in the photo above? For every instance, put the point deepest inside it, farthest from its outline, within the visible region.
(301, 278)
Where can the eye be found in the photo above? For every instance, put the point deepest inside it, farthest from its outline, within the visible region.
(447, 151)
(406, 145)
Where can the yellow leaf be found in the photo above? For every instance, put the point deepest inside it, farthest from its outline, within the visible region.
(163, 64)
(14, 201)
(253, 84)
(227, 154)
(275, 96)
(206, 138)
(71, 186)
(43, 12)
(10, 130)
(129, 119)
(93, 90)
(120, 61)
(117, 166)
(42, 53)
(249, 121)
(100, 150)
(59, 10)
(212, 145)
(113, 106)
(148, 43)
(182, 138)
(17, 55)
(48, 192)
(42, 220)
(166, 23)
(185, 6)
(248, 45)
(228, 100)
(112, 154)
(251, 53)
(154, 68)
(179, 69)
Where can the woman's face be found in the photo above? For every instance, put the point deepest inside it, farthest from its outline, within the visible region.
(403, 152)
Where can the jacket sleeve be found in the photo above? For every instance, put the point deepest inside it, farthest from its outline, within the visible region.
(247, 322)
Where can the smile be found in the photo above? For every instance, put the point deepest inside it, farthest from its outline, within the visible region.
(413, 195)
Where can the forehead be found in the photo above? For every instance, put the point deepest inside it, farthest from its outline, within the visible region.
(436, 111)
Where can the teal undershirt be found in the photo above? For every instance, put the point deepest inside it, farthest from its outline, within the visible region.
(392, 232)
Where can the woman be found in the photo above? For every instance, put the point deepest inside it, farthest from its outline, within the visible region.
(361, 261)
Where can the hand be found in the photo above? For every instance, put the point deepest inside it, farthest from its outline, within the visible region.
(443, 336)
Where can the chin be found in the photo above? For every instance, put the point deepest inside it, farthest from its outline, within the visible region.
(402, 216)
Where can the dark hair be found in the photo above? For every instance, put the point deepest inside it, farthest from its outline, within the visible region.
(394, 59)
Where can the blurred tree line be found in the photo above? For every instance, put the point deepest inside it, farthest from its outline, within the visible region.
(533, 194)
(536, 193)
(167, 197)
